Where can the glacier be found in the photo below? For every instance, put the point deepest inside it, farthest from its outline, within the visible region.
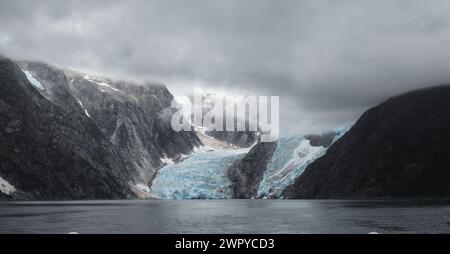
(292, 156)
(203, 175)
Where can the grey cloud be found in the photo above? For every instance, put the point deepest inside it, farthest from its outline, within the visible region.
(327, 60)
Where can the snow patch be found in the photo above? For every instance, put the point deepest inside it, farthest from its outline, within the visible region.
(143, 187)
(85, 110)
(100, 82)
(6, 188)
(33, 81)
(107, 85)
(167, 161)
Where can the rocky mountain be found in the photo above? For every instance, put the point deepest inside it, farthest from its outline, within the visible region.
(50, 152)
(117, 130)
(237, 138)
(71, 135)
(134, 117)
(399, 148)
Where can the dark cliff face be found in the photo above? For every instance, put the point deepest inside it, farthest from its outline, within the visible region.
(398, 149)
(49, 152)
(247, 173)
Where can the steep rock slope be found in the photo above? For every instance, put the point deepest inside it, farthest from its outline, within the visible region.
(397, 149)
(247, 173)
(48, 152)
(134, 117)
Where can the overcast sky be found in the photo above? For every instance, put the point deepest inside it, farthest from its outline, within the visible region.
(328, 61)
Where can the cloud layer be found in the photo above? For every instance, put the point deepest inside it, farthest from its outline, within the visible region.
(327, 60)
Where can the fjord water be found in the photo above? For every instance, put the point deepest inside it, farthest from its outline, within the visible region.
(226, 216)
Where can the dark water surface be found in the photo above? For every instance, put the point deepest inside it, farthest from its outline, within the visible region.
(226, 216)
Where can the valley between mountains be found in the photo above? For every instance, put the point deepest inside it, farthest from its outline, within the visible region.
(68, 135)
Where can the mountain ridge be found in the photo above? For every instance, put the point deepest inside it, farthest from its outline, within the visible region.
(141, 140)
(396, 149)
(37, 146)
